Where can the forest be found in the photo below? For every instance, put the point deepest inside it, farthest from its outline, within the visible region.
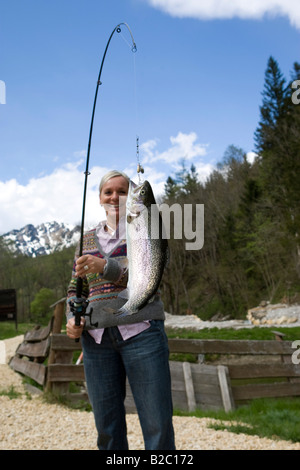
(251, 249)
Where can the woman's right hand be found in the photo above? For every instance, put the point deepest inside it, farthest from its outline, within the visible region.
(74, 331)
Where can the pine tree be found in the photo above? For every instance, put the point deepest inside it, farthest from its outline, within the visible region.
(278, 139)
(171, 188)
(273, 106)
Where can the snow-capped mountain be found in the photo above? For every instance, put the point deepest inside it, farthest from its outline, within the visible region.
(42, 239)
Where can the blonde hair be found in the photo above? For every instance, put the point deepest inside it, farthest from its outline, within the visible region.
(112, 174)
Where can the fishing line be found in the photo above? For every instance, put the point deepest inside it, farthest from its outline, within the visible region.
(140, 169)
(131, 46)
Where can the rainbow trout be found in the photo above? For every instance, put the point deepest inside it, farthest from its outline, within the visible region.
(147, 248)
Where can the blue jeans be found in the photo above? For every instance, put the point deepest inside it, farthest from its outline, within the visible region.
(144, 359)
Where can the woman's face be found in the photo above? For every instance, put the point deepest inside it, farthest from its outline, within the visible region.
(113, 197)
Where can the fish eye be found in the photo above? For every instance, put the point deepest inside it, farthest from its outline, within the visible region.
(143, 192)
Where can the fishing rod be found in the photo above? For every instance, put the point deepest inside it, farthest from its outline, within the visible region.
(79, 305)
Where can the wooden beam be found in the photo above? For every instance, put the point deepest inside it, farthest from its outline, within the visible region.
(225, 387)
(263, 370)
(31, 369)
(39, 349)
(65, 373)
(39, 334)
(189, 386)
(199, 346)
(212, 346)
(270, 390)
(61, 342)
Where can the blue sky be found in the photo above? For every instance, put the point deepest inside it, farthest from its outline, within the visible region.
(192, 89)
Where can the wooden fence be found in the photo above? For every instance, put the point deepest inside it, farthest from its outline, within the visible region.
(257, 369)
(193, 385)
(231, 372)
(32, 353)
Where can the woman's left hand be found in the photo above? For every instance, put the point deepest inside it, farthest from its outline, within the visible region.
(89, 264)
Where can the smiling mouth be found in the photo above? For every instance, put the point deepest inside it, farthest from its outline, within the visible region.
(114, 207)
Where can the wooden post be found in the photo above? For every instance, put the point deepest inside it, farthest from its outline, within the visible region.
(227, 399)
(62, 357)
(57, 324)
(189, 386)
(278, 335)
(58, 315)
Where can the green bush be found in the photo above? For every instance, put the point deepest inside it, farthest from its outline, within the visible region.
(40, 306)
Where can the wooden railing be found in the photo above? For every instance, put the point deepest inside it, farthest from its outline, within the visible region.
(193, 385)
(269, 363)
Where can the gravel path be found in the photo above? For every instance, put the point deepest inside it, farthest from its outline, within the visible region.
(31, 424)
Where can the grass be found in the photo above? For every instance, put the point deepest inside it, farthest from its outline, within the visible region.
(271, 418)
(11, 393)
(255, 333)
(8, 329)
(54, 398)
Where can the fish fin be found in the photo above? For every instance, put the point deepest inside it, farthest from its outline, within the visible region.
(124, 312)
(109, 310)
(151, 299)
(118, 313)
(124, 294)
(121, 313)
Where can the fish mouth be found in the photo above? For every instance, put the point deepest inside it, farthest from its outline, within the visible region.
(134, 188)
(134, 202)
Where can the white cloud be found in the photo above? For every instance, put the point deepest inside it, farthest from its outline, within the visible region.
(204, 170)
(251, 156)
(226, 9)
(183, 146)
(57, 196)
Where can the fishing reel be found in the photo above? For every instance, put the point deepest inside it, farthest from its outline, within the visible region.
(78, 307)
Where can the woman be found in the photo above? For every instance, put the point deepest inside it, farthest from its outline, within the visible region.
(134, 346)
